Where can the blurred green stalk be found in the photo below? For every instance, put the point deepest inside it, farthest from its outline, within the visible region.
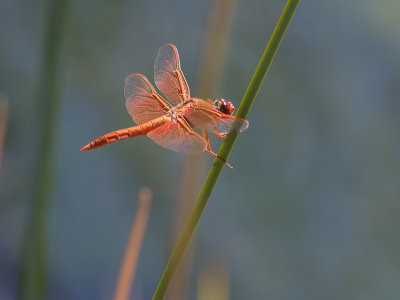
(34, 254)
(225, 150)
(3, 123)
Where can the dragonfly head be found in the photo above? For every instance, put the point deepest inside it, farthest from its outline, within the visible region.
(226, 107)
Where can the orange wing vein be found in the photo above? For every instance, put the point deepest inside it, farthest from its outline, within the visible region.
(142, 101)
(168, 75)
(179, 137)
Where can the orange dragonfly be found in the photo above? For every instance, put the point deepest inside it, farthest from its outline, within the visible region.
(180, 124)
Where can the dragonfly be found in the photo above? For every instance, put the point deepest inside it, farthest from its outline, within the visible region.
(177, 122)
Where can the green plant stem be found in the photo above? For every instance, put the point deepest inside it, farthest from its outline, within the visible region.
(33, 268)
(225, 150)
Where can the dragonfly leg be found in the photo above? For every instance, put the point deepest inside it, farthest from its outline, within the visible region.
(221, 136)
(205, 136)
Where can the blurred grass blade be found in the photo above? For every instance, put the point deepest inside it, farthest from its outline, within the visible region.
(33, 269)
(211, 62)
(213, 281)
(215, 42)
(225, 150)
(3, 123)
(128, 267)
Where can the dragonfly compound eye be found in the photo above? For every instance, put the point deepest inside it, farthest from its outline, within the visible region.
(224, 106)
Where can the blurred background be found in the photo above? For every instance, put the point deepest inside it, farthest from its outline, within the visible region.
(311, 208)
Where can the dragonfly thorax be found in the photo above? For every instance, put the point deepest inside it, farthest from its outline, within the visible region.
(175, 112)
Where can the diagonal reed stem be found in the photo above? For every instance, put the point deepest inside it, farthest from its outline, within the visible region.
(225, 150)
(129, 263)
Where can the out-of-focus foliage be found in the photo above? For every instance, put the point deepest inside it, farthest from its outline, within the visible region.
(311, 209)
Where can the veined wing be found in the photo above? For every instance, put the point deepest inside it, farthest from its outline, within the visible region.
(179, 137)
(205, 116)
(142, 101)
(227, 124)
(168, 75)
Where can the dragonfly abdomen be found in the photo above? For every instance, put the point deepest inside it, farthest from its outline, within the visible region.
(125, 133)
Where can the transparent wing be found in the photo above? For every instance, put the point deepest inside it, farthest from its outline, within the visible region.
(168, 75)
(227, 124)
(142, 101)
(205, 116)
(175, 137)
